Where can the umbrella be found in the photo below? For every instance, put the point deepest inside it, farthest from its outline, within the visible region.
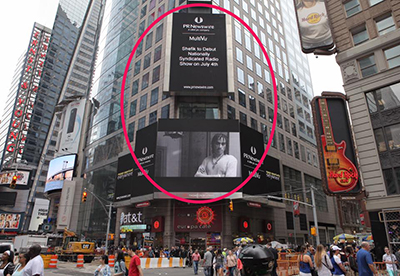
(344, 237)
(367, 238)
(243, 239)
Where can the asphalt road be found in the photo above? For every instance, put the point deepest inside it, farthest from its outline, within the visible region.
(65, 268)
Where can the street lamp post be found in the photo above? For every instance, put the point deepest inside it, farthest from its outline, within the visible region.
(107, 212)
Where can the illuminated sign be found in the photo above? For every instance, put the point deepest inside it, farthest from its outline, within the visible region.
(60, 169)
(339, 172)
(131, 218)
(6, 177)
(205, 215)
(157, 224)
(132, 228)
(244, 224)
(28, 87)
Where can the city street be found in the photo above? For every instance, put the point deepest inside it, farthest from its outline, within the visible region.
(67, 268)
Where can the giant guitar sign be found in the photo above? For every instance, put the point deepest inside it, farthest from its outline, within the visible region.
(335, 144)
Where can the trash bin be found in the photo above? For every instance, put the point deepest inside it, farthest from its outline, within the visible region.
(257, 260)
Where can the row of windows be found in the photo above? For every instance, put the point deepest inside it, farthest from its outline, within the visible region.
(146, 80)
(142, 121)
(384, 24)
(147, 60)
(143, 102)
(368, 65)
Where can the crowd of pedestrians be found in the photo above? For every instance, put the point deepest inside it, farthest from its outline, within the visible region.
(343, 261)
(27, 264)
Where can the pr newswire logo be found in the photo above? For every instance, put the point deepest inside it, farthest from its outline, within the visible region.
(198, 25)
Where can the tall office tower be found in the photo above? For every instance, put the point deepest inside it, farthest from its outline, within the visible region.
(70, 68)
(250, 100)
(367, 37)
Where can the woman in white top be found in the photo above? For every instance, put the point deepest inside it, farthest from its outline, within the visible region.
(322, 262)
(19, 269)
(103, 269)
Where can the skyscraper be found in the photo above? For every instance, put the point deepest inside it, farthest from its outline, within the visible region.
(250, 101)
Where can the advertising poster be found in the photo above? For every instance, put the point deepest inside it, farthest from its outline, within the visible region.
(10, 221)
(314, 27)
(71, 132)
(198, 53)
(6, 177)
(39, 213)
(339, 170)
(60, 169)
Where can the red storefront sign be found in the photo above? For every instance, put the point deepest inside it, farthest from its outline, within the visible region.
(157, 224)
(244, 224)
(190, 218)
(143, 204)
(26, 96)
(254, 204)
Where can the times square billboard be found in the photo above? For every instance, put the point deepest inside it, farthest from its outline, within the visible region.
(197, 159)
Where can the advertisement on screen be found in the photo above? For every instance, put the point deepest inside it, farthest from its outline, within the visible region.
(198, 53)
(60, 169)
(314, 27)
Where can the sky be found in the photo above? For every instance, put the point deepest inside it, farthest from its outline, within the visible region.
(17, 18)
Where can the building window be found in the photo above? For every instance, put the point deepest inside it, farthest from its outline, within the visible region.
(242, 98)
(143, 12)
(385, 24)
(231, 113)
(287, 124)
(251, 83)
(393, 56)
(279, 121)
(264, 131)
(159, 32)
(374, 2)
(135, 87)
(156, 74)
(360, 35)
(149, 40)
(142, 123)
(292, 180)
(281, 142)
(384, 98)
(145, 81)
(143, 103)
(368, 66)
(303, 153)
(270, 115)
(294, 129)
(131, 131)
(238, 34)
(352, 7)
(165, 112)
(253, 123)
(261, 107)
(260, 89)
(249, 62)
(314, 157)
(132, 110)
(309, 161)
(269, 95)
(146, 61)
(137, 67)
(296, 150)
(392, 180)
(289, 146)
(393, 136)
(154, 96)
(239, 55)
(240, 74)
(291, 111)
(153, 117)
(252, 104)
(243, 118)
(289, 221)
(157, 53)
(303, 222)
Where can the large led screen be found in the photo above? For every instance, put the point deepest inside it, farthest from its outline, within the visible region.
(198, 154)
(60, 169)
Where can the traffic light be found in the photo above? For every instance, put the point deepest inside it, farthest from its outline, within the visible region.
(84, 196)
(313, 231)
(231, 205)
(13, 183)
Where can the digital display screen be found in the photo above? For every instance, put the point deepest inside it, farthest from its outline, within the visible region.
(60, 169)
